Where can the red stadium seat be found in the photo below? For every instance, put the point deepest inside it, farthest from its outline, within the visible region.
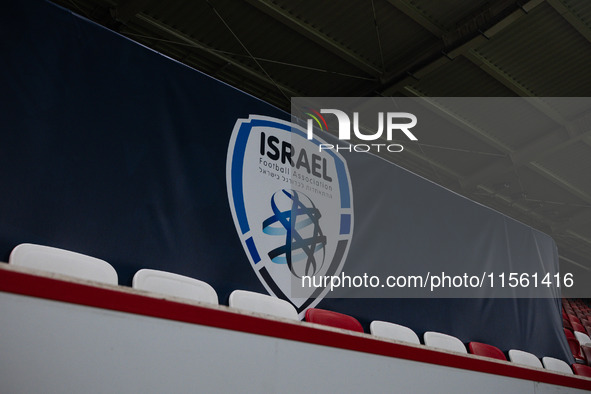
(333, 319)
(574, 319)
(566, 324)
(575, 348)
(483, 349)
(586, 352)
(569, 334)
(578, 327)
(582, 370)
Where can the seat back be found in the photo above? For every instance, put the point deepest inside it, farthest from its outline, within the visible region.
(582, 370)
(554, 364)
(262, 303)
(444, 341)
(393, 331)
(333, 319)
(574, 319)
(578, 327)
(585, 354)
(568, 333)
(175, 285)
(63, 262)
(486, 350)
(575, 348)
(524, 358)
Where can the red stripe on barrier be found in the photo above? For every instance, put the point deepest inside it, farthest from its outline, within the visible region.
(127, 301)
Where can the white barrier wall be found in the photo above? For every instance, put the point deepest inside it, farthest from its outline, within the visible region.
(53, 346)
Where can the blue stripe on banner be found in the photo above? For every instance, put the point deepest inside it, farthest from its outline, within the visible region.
(253, 250)
(345, 223)
(237, 164)
(343, 183)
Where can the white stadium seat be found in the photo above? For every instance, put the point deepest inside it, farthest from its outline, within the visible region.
(444, 341)
(175, 285)
(262, 303)
(63, 262)
(583, 338)
(554, 364)
(524, 358)
(393, 331)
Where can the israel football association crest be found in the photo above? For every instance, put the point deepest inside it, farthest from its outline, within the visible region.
(292, 205)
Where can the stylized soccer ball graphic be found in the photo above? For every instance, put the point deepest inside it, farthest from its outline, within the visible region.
(296, 218)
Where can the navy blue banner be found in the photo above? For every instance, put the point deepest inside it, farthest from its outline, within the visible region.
(112, 150)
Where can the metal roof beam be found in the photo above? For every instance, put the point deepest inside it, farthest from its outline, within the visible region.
(444, 58)
(519, 89)
(577, 130)
(413, 12)
(457, 120)
(491, 69)
(558, 180)
(481, 134)
(571, 18)
(316, 36)
(579, 25)
(501, 76)
(497, 73)
(582, 218)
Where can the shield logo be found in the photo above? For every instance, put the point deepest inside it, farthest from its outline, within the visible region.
(292, 205)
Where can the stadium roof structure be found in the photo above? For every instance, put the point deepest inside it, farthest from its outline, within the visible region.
(278, 49)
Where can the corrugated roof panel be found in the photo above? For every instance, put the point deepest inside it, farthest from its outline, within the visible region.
(573, 164)
(402, 38)
(180, 14)
(284, 54)
(570, 108)
(451, 146)
(542, 52)
(348, 23)
(462, 162)
(352, 25)
(460, 78)
(510, 121)
(447, 14)
(581, 9)
(583, 223)
(537, 186)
